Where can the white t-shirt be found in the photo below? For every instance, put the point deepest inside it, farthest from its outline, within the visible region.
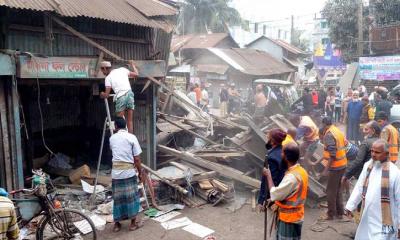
(124, 147)
(118, 80)
(204, 97)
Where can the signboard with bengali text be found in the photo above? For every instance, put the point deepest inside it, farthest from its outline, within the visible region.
(380, 68)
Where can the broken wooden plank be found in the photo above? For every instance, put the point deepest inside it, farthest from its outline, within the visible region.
(191, 132)
(221, 169)
(169, 183)
(198, 177)
(229, 123)
(282, 122)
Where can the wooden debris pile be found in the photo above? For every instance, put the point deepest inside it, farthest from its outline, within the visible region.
(220, 149)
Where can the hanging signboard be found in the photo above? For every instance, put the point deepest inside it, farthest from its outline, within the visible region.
(56, 67)
(380, 68)
(79, 68)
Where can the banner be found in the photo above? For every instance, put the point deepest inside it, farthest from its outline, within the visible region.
(380, 68)
(56, 67)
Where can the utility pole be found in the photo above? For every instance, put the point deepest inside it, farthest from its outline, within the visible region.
(292, 31)
(360, 42)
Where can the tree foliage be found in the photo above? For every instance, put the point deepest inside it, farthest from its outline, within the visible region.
(385, 11)
(342, 19)
(300, 42)
(202, 16)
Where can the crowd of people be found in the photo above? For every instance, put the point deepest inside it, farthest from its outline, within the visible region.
(368, 149)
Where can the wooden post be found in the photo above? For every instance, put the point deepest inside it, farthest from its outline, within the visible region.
(5, 140)
(17, 126)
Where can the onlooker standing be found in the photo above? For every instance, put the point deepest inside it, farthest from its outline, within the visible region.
(197, 90)
(338, 104)
(276, 166)
(372, 131)
(378, 189)
(314, 95)
(345, 104)
(322, 98)
(330, 103)
(8, 218)
(233, 99)
(204, 99)
(335, 156)
(384, 105)
(390, 134)
(223, 101)
(290, 195)
(368, 112)
(354, 111)
(260, 104)
(192, 96)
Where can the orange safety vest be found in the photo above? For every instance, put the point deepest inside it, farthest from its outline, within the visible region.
(291, 210)
(340, 161)
(308, 122)
(393, 142)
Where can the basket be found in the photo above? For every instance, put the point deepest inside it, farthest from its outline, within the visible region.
(27, 207)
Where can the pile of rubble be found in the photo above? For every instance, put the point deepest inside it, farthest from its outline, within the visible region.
(210, 156)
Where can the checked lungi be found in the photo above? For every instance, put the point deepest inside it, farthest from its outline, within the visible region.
(126, 198)
(288, 231)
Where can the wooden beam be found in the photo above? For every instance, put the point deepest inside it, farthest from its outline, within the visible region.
(191, 132)
(169, 183)
(84, 38)
(221, 169)
(25, 28)
(98, 64)
(5, 140)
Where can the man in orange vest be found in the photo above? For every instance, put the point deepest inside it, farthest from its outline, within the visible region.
(390, 134)
(290, 195)
(336, 162)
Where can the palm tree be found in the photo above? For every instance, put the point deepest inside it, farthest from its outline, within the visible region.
(202, 16)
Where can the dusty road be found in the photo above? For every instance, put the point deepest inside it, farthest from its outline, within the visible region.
(243, 224)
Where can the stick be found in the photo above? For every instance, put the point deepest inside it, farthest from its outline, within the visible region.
(169, 183)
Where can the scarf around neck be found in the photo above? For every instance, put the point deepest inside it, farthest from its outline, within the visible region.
(387, 223)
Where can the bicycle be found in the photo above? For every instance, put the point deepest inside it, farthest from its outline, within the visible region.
(55, 222)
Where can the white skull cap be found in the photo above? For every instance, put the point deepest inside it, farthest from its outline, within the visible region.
(105, 64)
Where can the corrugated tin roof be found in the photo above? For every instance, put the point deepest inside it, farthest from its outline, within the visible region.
(212, 68)
(289, 47)
(202, 41)
(135, 12)
(252, 62)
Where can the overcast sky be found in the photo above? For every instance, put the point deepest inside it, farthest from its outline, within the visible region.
(262, 10)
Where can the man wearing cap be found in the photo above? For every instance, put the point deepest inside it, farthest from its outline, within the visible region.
(118, 80)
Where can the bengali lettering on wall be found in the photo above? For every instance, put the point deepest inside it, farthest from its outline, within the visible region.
(56, 67)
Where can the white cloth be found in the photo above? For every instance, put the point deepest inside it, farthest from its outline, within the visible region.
(204, 97)
(286, 188)
(370, 226)
(118, 80)
(124, 147)
(192, 96)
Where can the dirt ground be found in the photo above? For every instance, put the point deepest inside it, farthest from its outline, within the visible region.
(242, 224)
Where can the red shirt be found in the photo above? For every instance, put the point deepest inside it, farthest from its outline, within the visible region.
(198, 94)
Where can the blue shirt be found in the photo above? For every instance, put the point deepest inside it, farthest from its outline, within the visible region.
(277, 168)
(354, 110)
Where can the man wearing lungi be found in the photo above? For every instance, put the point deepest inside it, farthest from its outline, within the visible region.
(126, 164)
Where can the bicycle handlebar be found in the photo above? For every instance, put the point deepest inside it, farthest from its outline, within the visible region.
(26, 191)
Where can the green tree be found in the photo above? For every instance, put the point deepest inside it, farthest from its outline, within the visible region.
(385, 11)
(300, 42)
(343, 29)
(201, 16)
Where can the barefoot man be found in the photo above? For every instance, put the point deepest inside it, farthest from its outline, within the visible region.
(118, 80)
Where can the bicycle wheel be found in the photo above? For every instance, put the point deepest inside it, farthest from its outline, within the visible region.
(67, 224)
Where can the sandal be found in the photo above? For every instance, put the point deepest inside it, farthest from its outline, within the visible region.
(325, 217)
(136, 226)
(117, 227)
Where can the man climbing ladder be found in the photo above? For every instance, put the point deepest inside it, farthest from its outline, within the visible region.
(118, 81)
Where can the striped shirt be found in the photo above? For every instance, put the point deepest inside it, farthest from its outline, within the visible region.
(8, 220)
